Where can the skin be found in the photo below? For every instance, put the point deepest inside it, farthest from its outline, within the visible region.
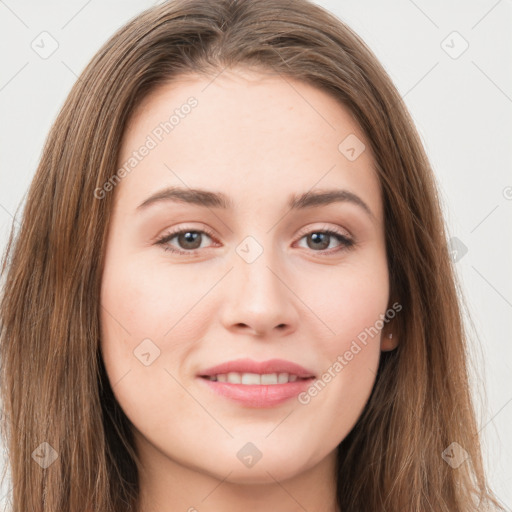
(257, 138)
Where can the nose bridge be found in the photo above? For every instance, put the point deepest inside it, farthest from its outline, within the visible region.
(259, 298)
(255, 266)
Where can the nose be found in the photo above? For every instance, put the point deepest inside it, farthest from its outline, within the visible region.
(259, 300)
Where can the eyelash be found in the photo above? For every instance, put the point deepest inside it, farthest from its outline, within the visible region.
(346, 243)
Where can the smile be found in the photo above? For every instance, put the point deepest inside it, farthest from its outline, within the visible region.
(254, 378)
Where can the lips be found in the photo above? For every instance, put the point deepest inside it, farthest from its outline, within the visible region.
(264, 367)
(257, 384)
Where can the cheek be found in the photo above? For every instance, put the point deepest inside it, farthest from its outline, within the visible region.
(147, 299)
(139, 306)
(351, 305)
(350, 301)
(149, 320)
(338, 396)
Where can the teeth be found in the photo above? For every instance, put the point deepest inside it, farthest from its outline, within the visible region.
(269, 378)
(250, 378)
(254, 378)
(234, 378)
(282, 377)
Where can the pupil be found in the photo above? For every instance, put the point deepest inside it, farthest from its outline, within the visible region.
(191, 237)
(317, 237)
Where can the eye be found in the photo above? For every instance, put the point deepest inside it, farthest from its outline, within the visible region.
(320, 241)
(190, 240)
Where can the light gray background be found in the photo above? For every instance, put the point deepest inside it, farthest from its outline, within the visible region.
(462, 108)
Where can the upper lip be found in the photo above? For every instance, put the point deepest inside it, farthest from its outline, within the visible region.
(261, 367)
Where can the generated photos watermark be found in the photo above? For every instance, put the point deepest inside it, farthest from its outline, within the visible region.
(152, 140)
(344, 359)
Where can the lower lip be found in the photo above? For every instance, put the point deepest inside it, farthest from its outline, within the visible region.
(258, 395)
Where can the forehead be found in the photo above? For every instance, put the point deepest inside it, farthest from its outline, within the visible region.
(247, 133)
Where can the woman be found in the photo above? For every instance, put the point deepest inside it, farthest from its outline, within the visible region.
(231, 287)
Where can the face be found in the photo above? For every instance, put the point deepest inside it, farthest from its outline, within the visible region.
(194, 281)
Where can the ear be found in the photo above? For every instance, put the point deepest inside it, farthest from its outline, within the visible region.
(390, 333)
(388, 338)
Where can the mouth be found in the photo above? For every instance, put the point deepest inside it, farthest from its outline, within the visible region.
(252, 379)
(257, 384)
(247, 371)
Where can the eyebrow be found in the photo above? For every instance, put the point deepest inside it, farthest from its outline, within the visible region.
(209, 199)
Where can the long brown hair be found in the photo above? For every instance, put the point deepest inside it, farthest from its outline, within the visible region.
(58, 403)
